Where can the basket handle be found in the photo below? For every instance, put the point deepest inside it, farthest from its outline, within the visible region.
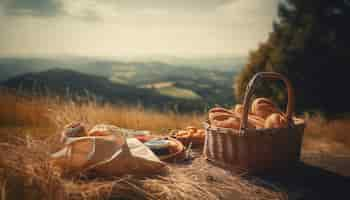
(250, 90)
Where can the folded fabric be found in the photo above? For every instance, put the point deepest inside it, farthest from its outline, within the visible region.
(158, 144)
(135, 158)
(106, 129)
(107, 156)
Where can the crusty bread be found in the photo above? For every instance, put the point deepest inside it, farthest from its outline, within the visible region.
(263, 107)
(75, 129)
(238, 109)
(231, 122)
(257, 121)
(220, 110)
(219, 116)
(254, 120)
(276, 120)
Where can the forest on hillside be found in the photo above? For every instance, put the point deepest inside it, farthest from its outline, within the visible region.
(310, 45)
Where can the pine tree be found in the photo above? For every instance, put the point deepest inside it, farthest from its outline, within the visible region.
(310, 44)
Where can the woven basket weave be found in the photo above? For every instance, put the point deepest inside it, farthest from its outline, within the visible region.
(256, 150)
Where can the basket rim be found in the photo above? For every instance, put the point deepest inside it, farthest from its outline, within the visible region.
(297, 123)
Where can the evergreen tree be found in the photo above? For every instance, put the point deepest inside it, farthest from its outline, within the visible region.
(310, 44)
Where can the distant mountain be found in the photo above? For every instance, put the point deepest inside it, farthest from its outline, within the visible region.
(208, 80)
(75, 85)
(219, 63)
(10, 67)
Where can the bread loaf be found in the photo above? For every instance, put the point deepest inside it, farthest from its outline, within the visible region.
(238, 109)
(191, 129)
(276, 120)
(263, 107)
(220, 110)
(76, 129)
(254, 120)
(257, 121)
(221, 117)
(190, 135)
(231, 122)
(220, 114)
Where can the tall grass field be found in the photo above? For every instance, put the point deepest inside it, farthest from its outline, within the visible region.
(30, 126)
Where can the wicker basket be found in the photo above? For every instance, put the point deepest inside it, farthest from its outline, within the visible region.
(256, 150)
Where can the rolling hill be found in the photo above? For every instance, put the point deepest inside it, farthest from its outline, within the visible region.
(78, 86)
(206, 84)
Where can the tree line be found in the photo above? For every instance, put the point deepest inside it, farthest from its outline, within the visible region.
(310, 44)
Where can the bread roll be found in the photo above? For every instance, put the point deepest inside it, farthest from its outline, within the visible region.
(200, 133)
(73, 130)
(276, 120)
(254, 120)
(231, 122)
(219, 116)
(257, 121)
(173, 147)
(220, 110)
(263, 107)
(191, 129)
(238, 109)
(183, 134)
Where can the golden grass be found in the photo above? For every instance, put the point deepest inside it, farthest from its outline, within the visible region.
(50, 112)
(25, 172)
(331, 136)
(122, 116)
(42, 116)
(20, 111)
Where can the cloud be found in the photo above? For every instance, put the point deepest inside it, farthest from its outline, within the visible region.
(138, 27)
(89, 8)
(42, 8)
(170, 5)
(86, 10)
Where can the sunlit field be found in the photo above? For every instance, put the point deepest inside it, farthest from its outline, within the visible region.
(30, 131)
(44, 112)
(45, 116)
(30, 128)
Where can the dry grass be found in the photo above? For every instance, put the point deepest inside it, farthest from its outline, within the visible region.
(123, 116)
(22, 111)
(26, 174)
(330, 136)
(50, 112)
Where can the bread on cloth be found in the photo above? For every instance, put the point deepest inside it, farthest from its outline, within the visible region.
(107, 156)
(75, 129)
(190, 135)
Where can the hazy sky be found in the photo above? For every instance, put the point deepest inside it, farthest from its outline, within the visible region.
(182, 28)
